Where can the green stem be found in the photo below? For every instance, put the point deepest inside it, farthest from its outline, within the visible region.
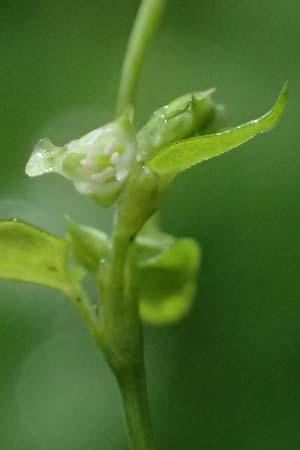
(121, 242)
(145, 25)
(123, 337)
(135, 400)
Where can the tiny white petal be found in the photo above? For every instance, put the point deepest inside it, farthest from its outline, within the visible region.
(104, 175)
(87, 162)
(115, 157)
(111, 147)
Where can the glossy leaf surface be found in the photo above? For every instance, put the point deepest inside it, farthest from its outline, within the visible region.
(177, 157)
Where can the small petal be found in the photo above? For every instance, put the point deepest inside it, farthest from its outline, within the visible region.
(44, 159)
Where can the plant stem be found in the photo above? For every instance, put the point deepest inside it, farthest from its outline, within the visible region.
(120, 323)
(145, 25)
(123, 343)
(135, 400)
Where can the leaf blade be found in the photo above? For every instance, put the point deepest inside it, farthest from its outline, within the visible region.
(168, 270)
(31, 255)
(184, 154)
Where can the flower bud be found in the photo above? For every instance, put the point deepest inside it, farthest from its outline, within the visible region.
(182, 118)
(98, 163)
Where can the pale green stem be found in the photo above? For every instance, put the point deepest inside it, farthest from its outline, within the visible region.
(145, 25)
(120, 324)
(135, 400)
(124, 342)
(133, 383)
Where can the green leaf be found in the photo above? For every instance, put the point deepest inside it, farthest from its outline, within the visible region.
(175, 158)
(167, 276)
(88, 245)
(151, 241)
(31, 255)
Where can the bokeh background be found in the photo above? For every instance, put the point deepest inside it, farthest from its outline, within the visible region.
(228, 376)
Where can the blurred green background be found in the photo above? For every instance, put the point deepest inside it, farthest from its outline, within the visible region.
(228, 376)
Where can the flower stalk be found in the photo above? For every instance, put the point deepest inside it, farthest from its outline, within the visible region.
(144, 28)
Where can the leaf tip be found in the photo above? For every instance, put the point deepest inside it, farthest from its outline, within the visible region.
(276, 112)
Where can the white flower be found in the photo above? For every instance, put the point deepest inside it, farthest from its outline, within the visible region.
(98, 163)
